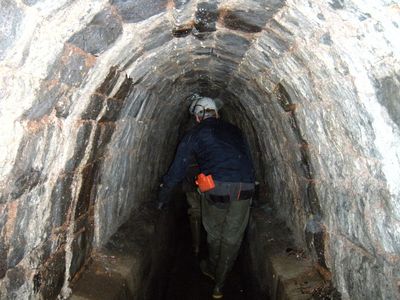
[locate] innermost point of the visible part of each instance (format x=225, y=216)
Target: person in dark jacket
x=221, y=151
x=193, y=198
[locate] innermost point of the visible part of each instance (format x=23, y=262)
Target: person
x=193, y=198
x=221, y=151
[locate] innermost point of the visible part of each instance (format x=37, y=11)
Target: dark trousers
x=225, y=226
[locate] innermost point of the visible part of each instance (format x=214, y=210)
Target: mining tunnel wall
x=93, y=95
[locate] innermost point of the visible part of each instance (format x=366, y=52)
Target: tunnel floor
x=185, y=280
x=150, y=257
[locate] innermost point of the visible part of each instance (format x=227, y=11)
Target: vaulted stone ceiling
x=94, y=95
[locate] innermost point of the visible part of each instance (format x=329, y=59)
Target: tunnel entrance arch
x=89, y=88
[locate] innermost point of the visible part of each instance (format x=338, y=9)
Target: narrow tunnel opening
x=172, y=271
x=93, y=99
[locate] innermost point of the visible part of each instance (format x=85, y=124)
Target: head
x=204, y=108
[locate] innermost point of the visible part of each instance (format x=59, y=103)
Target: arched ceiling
x=94, y=95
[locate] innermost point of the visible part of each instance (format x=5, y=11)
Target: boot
x=225, y=263
x=207, y=270
x=217, y=292
x=208, y=266
x=195, y=227
x=214, y=247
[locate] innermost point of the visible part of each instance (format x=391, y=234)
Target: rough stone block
x=99, y=34
x=273, y=43
x=190, y=76
x=380, y=287
x=124, y=89
x=135, y=102
x=135, y=54
x=206, y=16
x=133, y=11
x=25, y=181
x=204, y=51
x=18, y=243
x=232, y=45
x=81, y=247
x=91, y=171
x=256, y=62
x=224, y=63
x=201, y=63
x=25, y=176
x=94, y=107
x=61, y=197
x=388, y=94
x=182, y=31
x=16, y=279
x=167, y=72
x=10, y=20
x=275, y=266
x=112, y=110
x=108, y=84
x=85, y=198
x=27, y=240
x=103, y=136
x=50, y=278
x=247, y=21
x=71, y=67
x=82, y=141
x=73, y=70
x=52, y=94
x=158, y=37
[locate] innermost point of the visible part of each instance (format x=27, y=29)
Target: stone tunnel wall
x=93, y=94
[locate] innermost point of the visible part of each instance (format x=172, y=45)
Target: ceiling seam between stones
x=192, y=49
x=212, y=76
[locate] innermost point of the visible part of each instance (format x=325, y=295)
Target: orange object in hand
x=205, y=182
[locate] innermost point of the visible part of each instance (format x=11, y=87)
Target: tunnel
x=94, y=100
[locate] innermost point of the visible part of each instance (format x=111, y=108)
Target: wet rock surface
x=136, y=11
x=92, y=97
x=100, y=33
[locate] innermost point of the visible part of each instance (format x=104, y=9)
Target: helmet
x=200, y=105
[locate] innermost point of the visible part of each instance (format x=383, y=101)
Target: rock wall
x=92, y=96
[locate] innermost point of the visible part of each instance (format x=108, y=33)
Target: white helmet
x=199, y=106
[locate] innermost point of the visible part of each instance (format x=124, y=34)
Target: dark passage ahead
x=186, y=282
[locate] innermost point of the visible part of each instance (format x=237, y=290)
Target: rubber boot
x=214, y=250
x=217, y=293
x=195, y=226
x=228, y=254
x=207, y=270
x=208, y=266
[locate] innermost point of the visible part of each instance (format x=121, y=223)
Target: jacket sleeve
x=177, y=170
x=248, y=153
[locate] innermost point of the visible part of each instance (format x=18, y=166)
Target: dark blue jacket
x=220, y=150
